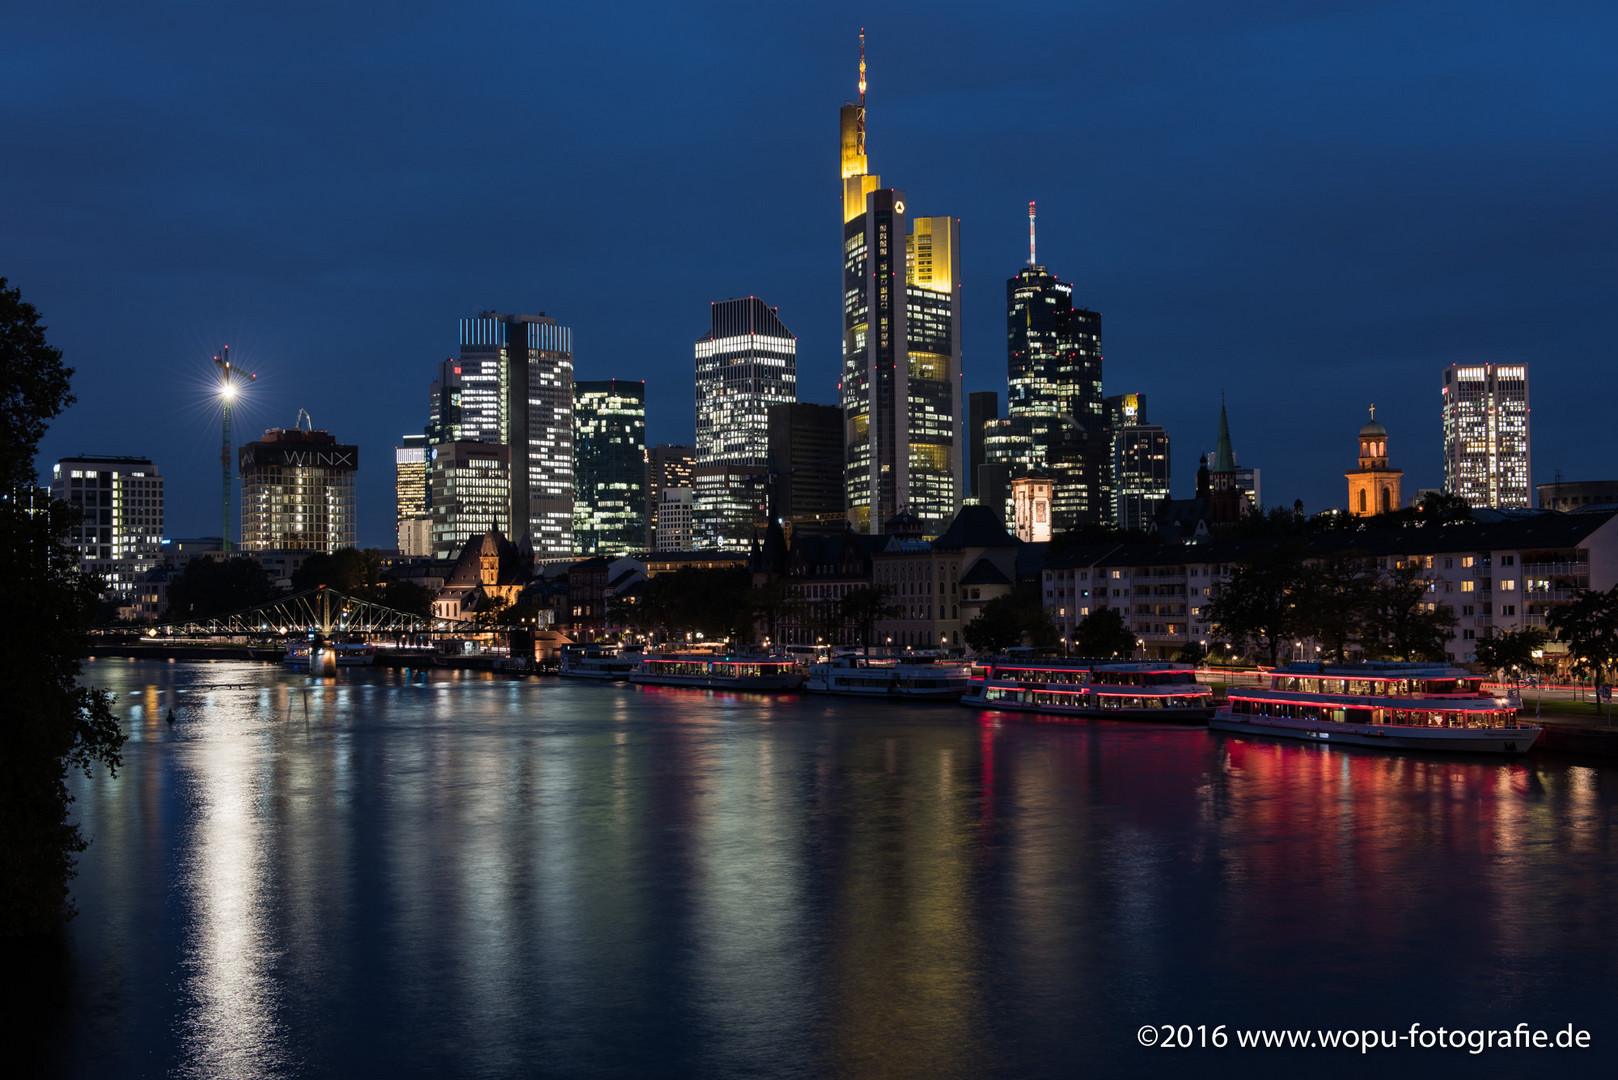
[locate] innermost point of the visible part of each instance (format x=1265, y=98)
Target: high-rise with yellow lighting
x=901, y=347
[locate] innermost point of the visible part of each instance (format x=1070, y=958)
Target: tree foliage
x=1333, y=598
x=210, y=587
x=1589, y=625
x=1103, y=633
x=1018, y=618
x=1513, y=651
x=713, y=603
x=1257, y=607
x=358, y=572
x=864, y=608
x=1399, y=624
x=51, y=723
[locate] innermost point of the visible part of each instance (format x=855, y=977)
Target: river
x=450, y=874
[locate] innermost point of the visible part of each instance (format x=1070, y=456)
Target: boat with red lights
x=908, y=678
x=1393, y=705
x=1107, y=690
x=750, y=673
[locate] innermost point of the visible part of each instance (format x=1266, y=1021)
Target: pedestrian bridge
x=321, y=610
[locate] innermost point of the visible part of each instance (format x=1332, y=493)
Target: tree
x=210, y=587
x=1257, y=606
x=1399, y=623
x=1513, y=651
x=769, y=603
x=1192, y=652
x=865, y=608
x=1017, y=618
x=51, y=723
x=1104, y=633
x=1589, y=625
x=713, y=603
x=1332, y=598
x=350, y=570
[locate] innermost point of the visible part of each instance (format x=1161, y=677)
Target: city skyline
x=1227, y=222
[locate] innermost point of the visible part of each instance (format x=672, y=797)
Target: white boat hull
x=721, y=682
x=1196, y=715
x=1515, y=740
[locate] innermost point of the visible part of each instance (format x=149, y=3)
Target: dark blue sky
x=1312, y=206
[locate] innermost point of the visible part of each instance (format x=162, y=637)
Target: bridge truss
x=323, y=610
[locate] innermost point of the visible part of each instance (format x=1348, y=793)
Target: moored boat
x=600, y=662
x=345, y=653
x=856, y=676
x=755, y=673
x=1110, y=690
x=1392, y=705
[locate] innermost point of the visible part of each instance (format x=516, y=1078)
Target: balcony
x=1556, y=569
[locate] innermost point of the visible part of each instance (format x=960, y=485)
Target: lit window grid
x=119, y=538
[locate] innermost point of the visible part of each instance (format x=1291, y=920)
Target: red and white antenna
x=1031, y=260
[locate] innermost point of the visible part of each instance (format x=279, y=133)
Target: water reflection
x=393, y=872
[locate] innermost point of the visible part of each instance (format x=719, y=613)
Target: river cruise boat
x=749, y=673
x=347, y=654
x=1403, y=706
x=858, y=676
x=1124, y=690
x=603, y=663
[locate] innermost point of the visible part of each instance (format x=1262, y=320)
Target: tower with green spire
x=1228, y=503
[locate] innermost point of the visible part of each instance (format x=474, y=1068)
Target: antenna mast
x=862, y=67
x=1031, y=260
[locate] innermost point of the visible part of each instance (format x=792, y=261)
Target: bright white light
x=227, y=391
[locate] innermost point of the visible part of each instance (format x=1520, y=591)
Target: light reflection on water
x=397, y=873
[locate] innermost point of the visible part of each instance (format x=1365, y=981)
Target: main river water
x=407, y=874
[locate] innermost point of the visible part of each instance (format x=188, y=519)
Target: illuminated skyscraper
x=746, y=362
x=666, y=467
x=1140, y=462
x=609, y=465
x=901, y=389
x=516, y=376
x=1486, y=434
x=298, y=492
x=410, y=496
x=469, y=486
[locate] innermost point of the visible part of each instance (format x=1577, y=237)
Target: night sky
x=1312, y=206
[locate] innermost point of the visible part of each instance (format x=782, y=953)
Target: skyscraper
x=120, y=535
x=469, y=486
x=410, y=496
x=901, y=388
x=1140, y=462
x=609, y=455
x=666, y=467
x=444, y=404
x=806, y=466
x=517, y=389
x=1056, y=420
x=298, y=492
x=1486, y=434
x=981, y=407
x=746, y=362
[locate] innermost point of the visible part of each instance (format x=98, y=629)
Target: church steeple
x=1224, y=459
x=1373, y=488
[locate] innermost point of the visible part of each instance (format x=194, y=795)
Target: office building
x=120, y=534
x=411, y=521
x=1141, y=473
x=1486, y=434
x=516, y=382
x=729, y=506
x=444, y=404
x=674, y=519
x=1569, y=496
x=746, y=362
x=609, y=467
x=901, y=387
x=667, y=466
x=298, y=492
x=469, y=493
x=981, y=407
x=806, y=467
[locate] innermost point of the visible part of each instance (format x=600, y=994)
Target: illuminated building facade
x=444, y=404
x=728, y=506
x=120, y=535
x=410, y=495
x=1031, y=496
x=1373, y=488
x=746, y=362
x=901, y=387
x=667, y=466
x=674, y=519
x=1486, y=434
x=609, y=454
x=469, y=489
x=298, y=492
x=516, y=383
x=1140, y=462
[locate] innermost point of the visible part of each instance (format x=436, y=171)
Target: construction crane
x=230, y=379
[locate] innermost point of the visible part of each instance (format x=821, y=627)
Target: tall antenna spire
x=1031, y=259
x=862, y=67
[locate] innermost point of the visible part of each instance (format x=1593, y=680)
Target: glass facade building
x=609, y=472
x=667, y=466
x=746, y=362
x=901, y=386
x=410, y=492
x=1486, y=434
x=469, y=488
x=298, y=492
x=516, y=389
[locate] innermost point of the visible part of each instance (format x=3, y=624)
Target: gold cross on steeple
x=1373, y=412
